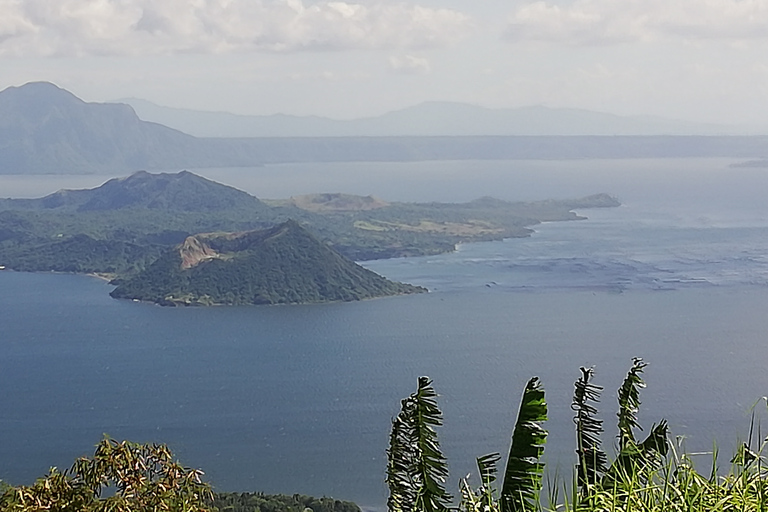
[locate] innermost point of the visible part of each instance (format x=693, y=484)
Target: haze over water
x=299, y=398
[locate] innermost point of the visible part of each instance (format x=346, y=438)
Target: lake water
x=299, y=398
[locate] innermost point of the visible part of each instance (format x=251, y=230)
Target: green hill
x=280, y=265
x=167, y=192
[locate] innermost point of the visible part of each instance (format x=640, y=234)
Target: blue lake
x=299, y=398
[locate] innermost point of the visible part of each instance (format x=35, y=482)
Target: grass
x=643, y=477
x=675, y=485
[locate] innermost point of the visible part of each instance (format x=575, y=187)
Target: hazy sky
x=704, y=60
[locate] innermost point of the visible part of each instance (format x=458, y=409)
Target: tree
x=143, y=477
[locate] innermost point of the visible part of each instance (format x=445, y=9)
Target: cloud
x=611, y=21
x=157, y=27
x=409, y=65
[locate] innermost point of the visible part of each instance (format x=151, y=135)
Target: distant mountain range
x=45, y=129
x=431, y=119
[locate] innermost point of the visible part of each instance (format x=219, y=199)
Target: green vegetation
x=280, y=265
x=260, y=502
x=123, y=225
x=132, y=477
x=143, y=478
x=84, y=255
x=646, y=476
x=416, y=469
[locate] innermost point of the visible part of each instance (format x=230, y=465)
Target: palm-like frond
x=416, y=468
x=400, y=461
x=592, y=459
x=635, y=460
x=629, y=403
x=523, y=474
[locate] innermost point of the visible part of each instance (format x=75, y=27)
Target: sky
x=696, y=60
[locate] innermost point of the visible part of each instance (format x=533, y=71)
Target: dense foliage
x=83, y=255
x=131, y=477
x=140, y=477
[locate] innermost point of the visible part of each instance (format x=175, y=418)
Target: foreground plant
x=144, y=477
x=416, y=468
x=649, y=475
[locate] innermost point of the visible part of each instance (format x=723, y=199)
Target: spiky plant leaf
x=657, y=441
x=403, y=447
x=416, y=468
x=592, y=459
x=629, y=403
x=523, y=474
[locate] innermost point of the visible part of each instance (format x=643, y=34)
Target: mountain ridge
x=47, y=130
x=430, y=118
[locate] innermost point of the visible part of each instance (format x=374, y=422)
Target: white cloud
x=157, y=27
x=612, y=21
x=409, y=65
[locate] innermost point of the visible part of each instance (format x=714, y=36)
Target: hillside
x=178, y=192
x=45, y=129
x=281, y=265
